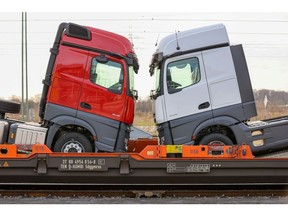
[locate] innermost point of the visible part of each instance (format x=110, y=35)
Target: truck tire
x=9, y=106
x=73, y=142
x=215, y=138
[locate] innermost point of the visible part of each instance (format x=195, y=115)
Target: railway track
x=149, y=195
x=118, y=198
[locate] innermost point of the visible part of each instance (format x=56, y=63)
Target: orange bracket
x=40, y=149
x=12, y=151
x=208, y=151
x=8, y=151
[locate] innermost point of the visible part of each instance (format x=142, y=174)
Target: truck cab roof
x=193, y=39
x=103, y=40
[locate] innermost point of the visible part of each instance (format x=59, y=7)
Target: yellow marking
x=5, y=164
x=174, y=149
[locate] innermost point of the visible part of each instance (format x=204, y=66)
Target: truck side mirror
x=152, y=95
x=135, y=94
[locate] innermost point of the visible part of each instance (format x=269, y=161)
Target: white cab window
x=182, y=73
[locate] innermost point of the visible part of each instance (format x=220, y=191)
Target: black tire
x=9, y=106
x=73, y=142
x=216, y=138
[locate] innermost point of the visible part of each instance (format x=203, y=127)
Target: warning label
x=5, y=164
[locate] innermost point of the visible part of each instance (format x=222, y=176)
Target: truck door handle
x=204, y=105
x=85, y=105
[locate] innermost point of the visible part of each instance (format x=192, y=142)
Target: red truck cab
x=88, y=95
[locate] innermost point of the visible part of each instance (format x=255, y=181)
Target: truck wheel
x=73, y=142
x=215, y=138
x=9, y=106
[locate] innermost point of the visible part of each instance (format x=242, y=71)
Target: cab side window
x=182, y=73
x=108, y=75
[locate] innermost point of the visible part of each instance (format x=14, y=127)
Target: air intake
x=77, y=31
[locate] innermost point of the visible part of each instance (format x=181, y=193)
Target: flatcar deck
x=154, y=165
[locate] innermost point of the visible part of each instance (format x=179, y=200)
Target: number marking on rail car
x=191, y=168
x=73, y=164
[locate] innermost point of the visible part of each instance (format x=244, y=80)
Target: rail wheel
x=216, y=139
x=73, y=142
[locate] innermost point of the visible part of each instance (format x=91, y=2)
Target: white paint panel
x=160, y=110
x=221, y=77
x=193, y=39
x=224, y=93
x=187, y=101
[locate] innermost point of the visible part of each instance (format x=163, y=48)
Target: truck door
x=104, y=88
x=185, y=86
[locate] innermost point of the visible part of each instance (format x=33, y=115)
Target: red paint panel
x=102, y=101
x=71, y=83
x=104, y=40
x=129, y=114
x=68, y=77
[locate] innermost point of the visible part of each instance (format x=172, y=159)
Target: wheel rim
x=72, y=146
x=216, y=142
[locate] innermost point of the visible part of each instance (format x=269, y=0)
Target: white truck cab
x=203, y=92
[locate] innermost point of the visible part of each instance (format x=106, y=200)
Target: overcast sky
x=263, y=35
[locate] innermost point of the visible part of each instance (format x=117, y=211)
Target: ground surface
x=121, y=200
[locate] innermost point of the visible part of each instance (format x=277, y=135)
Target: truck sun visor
x=77, y=31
